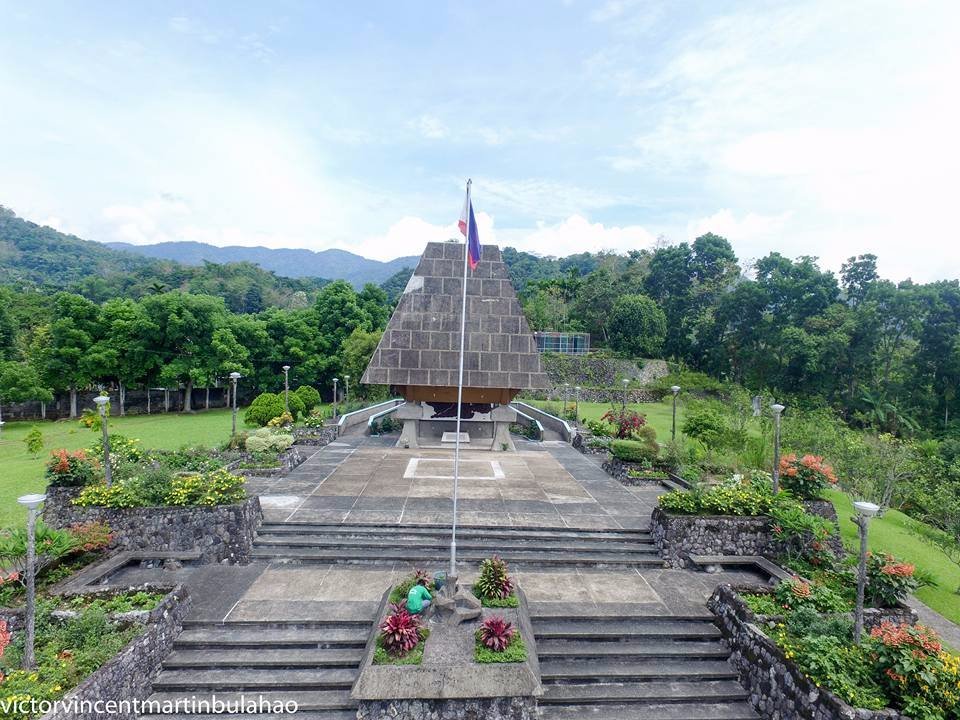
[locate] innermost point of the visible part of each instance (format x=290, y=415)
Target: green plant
x=309, y=396
x=118, y=495
x=642, y=451
x=91, y=536
x=219, y=487
x=149, y=485
x=807, y=476
x=494, y=580
x=762, y=603
x=281, y=421
x=51, y=545
x=889, y=581
x=33, y=441
x=626, y=423
x=120, y=603
x=263, y=409
x=70, y=469
x=706, y=425
x=516, y=651
x=600, y=428
x=399, y=632
x=315, y=419
x=796, y=593
x=496, y=633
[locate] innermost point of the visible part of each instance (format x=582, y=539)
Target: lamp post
x=346, y=390
x=31, y=502
x=675, y=389
x=234, y=376
x=101, y=401
x=286, y=388
x=626, y=382
x=777, y=410
x=865, y=511
x=576, y=402
x=335, y=381
x=566, y=394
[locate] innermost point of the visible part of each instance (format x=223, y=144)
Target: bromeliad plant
x=496, y=633
x=494, y=581
x=400, y=632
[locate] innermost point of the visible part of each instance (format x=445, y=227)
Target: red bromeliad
x=496, y=633
x=400, y=633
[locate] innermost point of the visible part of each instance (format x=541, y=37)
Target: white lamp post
x=101, y=401
x=234, y=376
x=777, y=410
x=576, y=402
x=865, y=511
x=346, y=390
x=31, y=502
x=626, y=382
x=675, y=389
x=566, y=394
x=335, y=381
x=286, y=388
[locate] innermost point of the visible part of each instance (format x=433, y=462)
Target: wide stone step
x=233, y=679
x=597, y=629
x=656, y=691
x=307, y=701
x=463, y=531
x=253, y=636
x=443, y=543
x=587, y=650
x=333, y=555
x=275, y=658
x=582, y=670
x=675, y=711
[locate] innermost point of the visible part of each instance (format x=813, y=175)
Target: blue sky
x=823, y=128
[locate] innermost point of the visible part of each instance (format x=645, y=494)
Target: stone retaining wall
x=220, y=533
x=129, y=675
x=504, y=708
x=288, y=459
x=679, y=536
x=315, y=436
x=777, y=687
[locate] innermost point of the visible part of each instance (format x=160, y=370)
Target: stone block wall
x=220, y=533
x=679, y=536
x=129, y=675
x=777, y=687
x=503, y=708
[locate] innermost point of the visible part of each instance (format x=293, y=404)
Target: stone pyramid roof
x=421, y=344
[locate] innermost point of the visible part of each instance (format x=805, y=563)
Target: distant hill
x=293, y=263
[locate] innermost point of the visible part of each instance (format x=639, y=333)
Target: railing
x=358, y=416
x=533, y=421
x=550, y=421
x=374, y=418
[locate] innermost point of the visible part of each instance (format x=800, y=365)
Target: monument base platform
x=428, y=425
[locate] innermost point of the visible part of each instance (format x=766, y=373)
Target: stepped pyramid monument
x=419, y=352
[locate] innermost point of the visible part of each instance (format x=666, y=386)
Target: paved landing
x=359, y=481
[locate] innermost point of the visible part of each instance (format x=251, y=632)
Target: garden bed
x=219, y=532
x=779, y=688
x=90, y=658
x=635, y=473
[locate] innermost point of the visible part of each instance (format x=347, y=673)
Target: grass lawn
x=23, y=472
x=891, y=533
x=659, y=415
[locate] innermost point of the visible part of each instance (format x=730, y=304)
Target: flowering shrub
x=796, y=593
x=219, y=487
x=315, y=419
x=400, y=633
x=70, y=469
x=626, y=423
x=282, y=420
x=806, y=477
x=118, y=495
x=888, y=580
x=264, y=440
x=91, y=536
x=493, y=581
x=4, y=638
x=122, y=449
x=496, y=633
x=916, y=672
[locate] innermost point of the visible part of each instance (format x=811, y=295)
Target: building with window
x=563, y=342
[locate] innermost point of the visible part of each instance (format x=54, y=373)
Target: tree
x=638, y=326
x=121, y=351
x=184, y=335
x=356, y=354
x=20, y=383
x=72, y=334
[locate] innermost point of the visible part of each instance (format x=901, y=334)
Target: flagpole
x=456, y=451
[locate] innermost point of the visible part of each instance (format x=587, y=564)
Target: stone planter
x=288, y=459
x=314, y=436
x=129, y=675
x=620, y=471
x=220, y=533
x=777, y=687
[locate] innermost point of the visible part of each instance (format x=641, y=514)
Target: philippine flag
x=468, y=226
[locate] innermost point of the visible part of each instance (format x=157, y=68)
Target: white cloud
x=430, y=127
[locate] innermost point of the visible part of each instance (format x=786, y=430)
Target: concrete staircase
x=636, y=668
x=311, y=663
x=340, y=543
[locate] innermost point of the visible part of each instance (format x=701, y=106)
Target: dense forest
x=884, y=355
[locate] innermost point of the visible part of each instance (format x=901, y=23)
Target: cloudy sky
x=812, y=128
